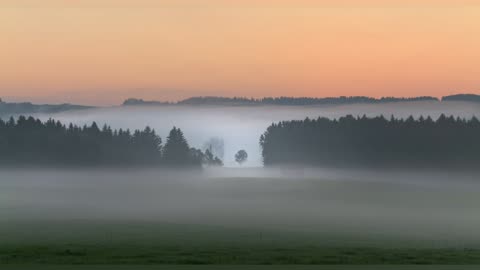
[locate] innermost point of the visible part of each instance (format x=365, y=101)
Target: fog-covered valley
x=239, y=206
x=430, y=208
x=241, y=126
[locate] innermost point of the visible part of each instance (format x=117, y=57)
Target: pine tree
x=176, y=151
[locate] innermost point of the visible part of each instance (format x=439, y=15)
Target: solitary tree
x=241, y=156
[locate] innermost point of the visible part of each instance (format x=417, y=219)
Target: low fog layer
x=240, y=127
x=432, y=206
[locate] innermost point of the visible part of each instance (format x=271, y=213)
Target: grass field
x=242, y=221
x=151, y=243
x=246, y=267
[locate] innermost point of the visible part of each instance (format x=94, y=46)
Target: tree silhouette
x=176, y=151
x=216, y=146
x=28, y=141
x=294, y=101
x=210, y=160
x=362, y=141
x=241, y=156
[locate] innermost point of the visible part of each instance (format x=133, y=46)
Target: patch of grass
x=237, y=267
x=93, y=243
x=132, y=254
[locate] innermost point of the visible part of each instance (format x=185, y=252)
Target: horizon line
x=178, y=101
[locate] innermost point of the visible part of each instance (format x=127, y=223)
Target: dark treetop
x=28, y=141
x=376, y=142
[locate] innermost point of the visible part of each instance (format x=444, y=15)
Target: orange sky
x=103, y=51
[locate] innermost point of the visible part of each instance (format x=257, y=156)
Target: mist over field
x=241, y=126
x=425, y=208
x=246, y=214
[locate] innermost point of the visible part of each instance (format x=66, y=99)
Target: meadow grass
x=226, y=222
x=94, y=243
x=238, y=267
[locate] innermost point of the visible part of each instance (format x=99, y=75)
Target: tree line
x=298, y=101
x=9, y=108
x=362, y=141
x=462, y=97
x=29, y=141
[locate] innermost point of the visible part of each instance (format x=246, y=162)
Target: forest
x=374, y=142
x=9, y=108
x=462, y=97
x=346, y=141
x=279, y=101
x=29, y=141
x=299, y=101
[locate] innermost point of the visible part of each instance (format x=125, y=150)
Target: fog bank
x=241, y=126
x=435, y=207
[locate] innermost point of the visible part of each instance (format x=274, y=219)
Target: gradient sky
x=103, y=51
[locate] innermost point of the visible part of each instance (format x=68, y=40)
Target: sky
x=104, y=51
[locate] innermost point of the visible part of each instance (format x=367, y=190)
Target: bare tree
x=216, y=146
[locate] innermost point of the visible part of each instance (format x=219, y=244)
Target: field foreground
x=99, y=218
x=236, y=267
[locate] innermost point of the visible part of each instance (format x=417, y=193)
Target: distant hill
x=283, y=101
x=27, y=107
x=462, y=97
x=339, y=100
x=211, y=100
x=141, y=102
